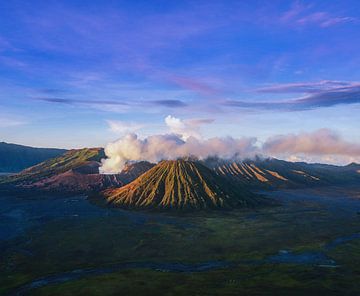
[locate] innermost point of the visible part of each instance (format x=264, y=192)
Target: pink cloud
x=307, y=87
x=192, y=84
x=337, y=20
x=323, y=19
x=303, y=15
x=186, y=83
x=320, y=142
x=293, y=12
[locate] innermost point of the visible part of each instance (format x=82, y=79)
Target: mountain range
x=275, y=173
x=176, y=184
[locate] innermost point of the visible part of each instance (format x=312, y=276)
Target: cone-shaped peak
x=181, y=184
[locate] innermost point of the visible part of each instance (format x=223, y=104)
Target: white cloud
x=123, y=127
x=9, y=122
x=186, y=128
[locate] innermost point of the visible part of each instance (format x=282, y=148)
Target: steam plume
x=185, y=140
x=160, y=147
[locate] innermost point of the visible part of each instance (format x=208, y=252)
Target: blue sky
x=81, y=73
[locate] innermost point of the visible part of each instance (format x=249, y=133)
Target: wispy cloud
x=200, y=121
x=185, y=82
x=51, y=91
x=323, y=19
x=192, y=84
x=123, y=127
x=129, y=103
x=3, y=43
x=110, y=26
x=305, y=15
x=169, y=103
x=304, y=87
x=12, y=62
x=81, y=102
x=318, y=95
x=6, y=121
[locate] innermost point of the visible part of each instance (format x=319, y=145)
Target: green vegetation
x=55, y=166
x=244, y=280
x=241, y=236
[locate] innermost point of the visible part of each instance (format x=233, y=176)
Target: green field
x=243, y=238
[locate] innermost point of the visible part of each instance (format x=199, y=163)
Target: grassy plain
x=245, y=238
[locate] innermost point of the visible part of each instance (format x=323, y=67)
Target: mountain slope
x=84, y=179
x=14, y=158
x=72, y=159
x=181, y=184
x=76, y=171
x=274, y=173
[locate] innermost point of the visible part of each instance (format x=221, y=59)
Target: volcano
x=76, y=171
x=181, y=184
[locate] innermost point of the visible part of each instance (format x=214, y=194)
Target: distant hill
x=14, y=158
x=181, y=184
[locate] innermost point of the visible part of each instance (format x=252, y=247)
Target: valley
x=309, y=244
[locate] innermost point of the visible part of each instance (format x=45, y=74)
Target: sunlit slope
x=72, y=159
x=76, y=171
x=82, y=179
x=181, y=184
x=281, y=174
